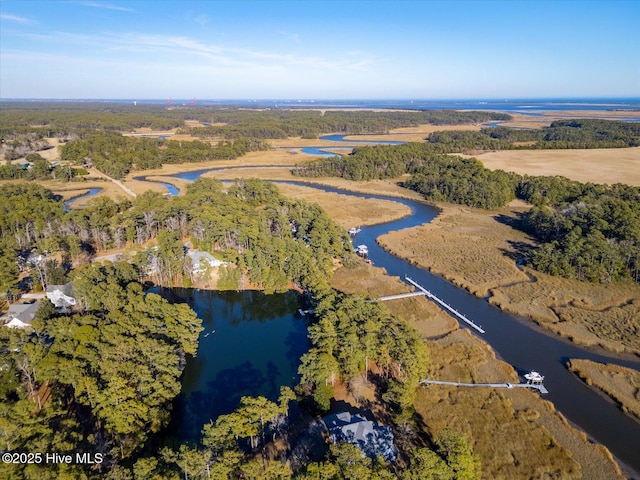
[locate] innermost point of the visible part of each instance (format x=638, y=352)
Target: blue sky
x=319, y=50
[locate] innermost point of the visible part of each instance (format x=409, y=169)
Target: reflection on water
x=251, y=345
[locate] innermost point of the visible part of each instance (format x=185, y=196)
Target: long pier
x=401, y=295
x=537, y=386
x=447, y=307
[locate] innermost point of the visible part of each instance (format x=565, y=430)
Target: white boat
x=533, y=377
x=354, y=231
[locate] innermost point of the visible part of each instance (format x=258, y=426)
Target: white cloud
x=16, y=19
x=180, y=64
x=107, y=6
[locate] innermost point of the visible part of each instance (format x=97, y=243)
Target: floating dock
x=537, y=386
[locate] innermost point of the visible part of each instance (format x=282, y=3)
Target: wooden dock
x=537, y=386
x=401, y=295
x=447, y=307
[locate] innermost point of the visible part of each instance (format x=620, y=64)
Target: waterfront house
x=200, y=261
x=365, y=434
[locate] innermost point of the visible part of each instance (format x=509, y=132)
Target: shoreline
x=452, y=238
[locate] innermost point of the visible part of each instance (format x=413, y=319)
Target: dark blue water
x=172, y=190
x=251, y=345
x=514, y=339
x=517, y=342
x=517, y=105
x=324, y=152
x=340, y=138
x=92, y=191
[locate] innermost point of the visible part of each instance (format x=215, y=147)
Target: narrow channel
x=92, y=191
x=514, y=339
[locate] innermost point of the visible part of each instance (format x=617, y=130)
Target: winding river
x=92, y=192
x=514, y=339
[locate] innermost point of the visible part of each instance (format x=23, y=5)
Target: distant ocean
x=522, y=106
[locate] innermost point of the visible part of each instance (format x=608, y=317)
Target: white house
x=61, y=295
x=20, y=315
x=200, y=261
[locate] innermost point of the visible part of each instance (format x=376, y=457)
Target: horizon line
x=318, y=99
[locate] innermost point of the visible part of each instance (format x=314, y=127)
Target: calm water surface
x=514, y=339
x=251, y=345
x=92, y=191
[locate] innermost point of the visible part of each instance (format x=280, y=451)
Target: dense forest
x=584, y=133
x=311, y=124
x=101, y=378
x=117, y=155
x=273, y=239
x=62, y=120
x=39, y=168
x=585, y=231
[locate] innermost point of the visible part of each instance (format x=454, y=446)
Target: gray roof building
x=61, y=295
x=20, y=315
x=365, y=434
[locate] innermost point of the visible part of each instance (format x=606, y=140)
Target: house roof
x=365, y=434
x=61, y=295
x=197, y=256
x=22, y=312
x=66, y=288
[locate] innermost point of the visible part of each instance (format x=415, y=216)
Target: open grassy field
x=516, y=434
x=347, y=210
x=621, y=384
x=478, y=250
x=605, y=165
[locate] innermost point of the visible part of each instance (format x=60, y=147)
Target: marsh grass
x=598, y=165
x=516, y=433
x=478, y=250
x=621, y=384
x=512, y=442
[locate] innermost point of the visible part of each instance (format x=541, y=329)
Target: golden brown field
x=477, y=250
x=611, y=165
x=516, y=434
x=347, y=210
x=621, y=384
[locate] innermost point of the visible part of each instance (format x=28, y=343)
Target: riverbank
x=620, y=384
x=478, y=250
x=517, y=434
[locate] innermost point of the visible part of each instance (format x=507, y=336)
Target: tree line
x=102, y=379
x=311, y=124
x=27, y=123
x=116, y=155
x=581, y=133
x=585, y=231
x=272, y=241
x=39, y=168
